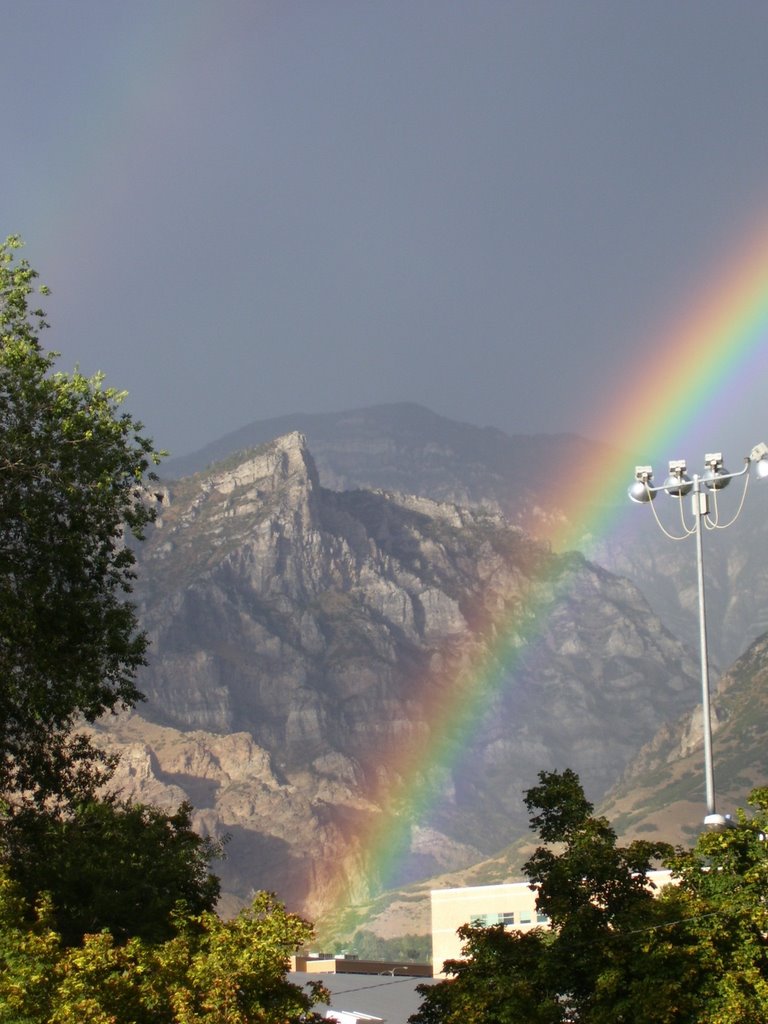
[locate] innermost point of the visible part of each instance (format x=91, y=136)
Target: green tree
x=211, y=972
x=114, y=865
x=722, y=910
x=73, y=469
x=615, y=952
x=29, y=956
x=73, y=476
x=599, y=903
x=236, y=972
x=369, y=946
x=502, y=978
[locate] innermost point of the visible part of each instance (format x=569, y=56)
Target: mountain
x=663, y=788
x=306, y=642
x=661, y=795
x=736, y=573
x=408, y=449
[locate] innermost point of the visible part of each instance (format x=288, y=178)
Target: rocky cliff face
x=663, y=789
x=305, y=643
x=407, y=448
x=736, y=573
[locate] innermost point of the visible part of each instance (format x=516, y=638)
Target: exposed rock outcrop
x=342, y=636
x=663, y=788
x=407, y=448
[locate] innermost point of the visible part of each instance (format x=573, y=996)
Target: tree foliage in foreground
x=722, y=900
x=105, y=906
x=73, y=470
x=116, y=866
x=211, y=972
x=72, y=475
x=619, y=953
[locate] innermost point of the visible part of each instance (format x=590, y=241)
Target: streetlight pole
x=701, y=508
x=678, y=484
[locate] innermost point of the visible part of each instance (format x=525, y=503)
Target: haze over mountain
x=495, y=208
x=407, y=448
x=303, y=640
x=661, y=795
x=664, y=785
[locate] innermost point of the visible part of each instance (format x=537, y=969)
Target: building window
x=525, y=917
x=489, y=920
x=541, y=918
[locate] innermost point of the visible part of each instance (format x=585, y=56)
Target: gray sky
x=246, y=209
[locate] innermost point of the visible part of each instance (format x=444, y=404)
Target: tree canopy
x=106, y=906
x=114, y=865
x=211, y=972
x=73, y=471
x=695, y=952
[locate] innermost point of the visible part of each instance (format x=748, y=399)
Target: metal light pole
x=700, y=509
x=678, y=484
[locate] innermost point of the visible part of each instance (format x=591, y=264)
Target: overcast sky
x=247, y=208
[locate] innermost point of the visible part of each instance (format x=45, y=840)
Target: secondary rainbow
x=683, y=373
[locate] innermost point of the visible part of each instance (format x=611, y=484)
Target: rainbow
x=684, y=374
x=123, y=121
x=674, y=383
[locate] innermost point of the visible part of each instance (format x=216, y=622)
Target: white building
x=512, y=904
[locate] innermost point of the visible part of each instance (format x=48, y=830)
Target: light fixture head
x=759, y=455
x=678, y=483
x=715, y=475
x=719, y=822
x=639, y=491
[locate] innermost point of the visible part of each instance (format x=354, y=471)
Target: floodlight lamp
x=678, y=483
x=640, y=491
x=715, y=475
x=759, y=455
x=719, y=822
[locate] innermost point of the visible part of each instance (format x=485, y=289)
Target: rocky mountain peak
x=328, y=626
x=270, y=488
x=283, y=468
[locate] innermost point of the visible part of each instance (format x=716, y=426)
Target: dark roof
x=388, y=996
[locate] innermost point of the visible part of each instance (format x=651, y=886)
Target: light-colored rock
x=310, y=649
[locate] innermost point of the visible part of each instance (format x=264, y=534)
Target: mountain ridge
x=661, y=795
x=406, y=448
x=328, y=627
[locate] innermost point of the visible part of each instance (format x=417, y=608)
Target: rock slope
x=407, y=448
x=306, y=642
x=663, y=789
